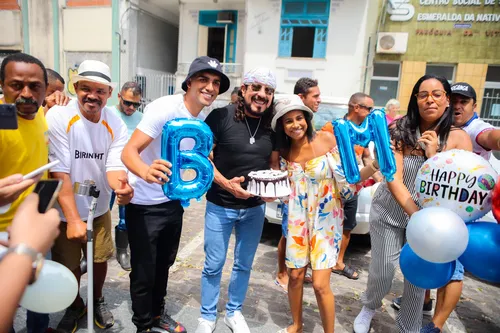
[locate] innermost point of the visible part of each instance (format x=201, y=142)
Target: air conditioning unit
x=392, y=42
x=225, y=17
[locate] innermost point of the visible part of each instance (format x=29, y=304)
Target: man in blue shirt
x=129, y=100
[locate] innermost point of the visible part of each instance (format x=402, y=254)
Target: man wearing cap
x=154, y=222
x=484, y=136
x=87, y=138
x=242, y=143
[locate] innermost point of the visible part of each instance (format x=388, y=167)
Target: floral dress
x=315, y=211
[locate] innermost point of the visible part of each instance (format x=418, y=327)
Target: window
x=447, y=71
x=384, y=83
x=490, y=108
x=304, y=26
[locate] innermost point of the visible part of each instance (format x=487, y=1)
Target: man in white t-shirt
x=154, y=223
x=87, y=138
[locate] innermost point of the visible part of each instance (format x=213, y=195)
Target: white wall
x=41, y=32
x=83, y=34
x=339, y=75
x=11, y=28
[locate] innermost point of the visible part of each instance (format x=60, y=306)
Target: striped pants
x=386, y=243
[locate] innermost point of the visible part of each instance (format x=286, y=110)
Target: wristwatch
x=36, y=257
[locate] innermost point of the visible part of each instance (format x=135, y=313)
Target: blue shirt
x=131, y=121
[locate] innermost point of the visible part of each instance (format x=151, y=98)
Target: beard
x=248, y=107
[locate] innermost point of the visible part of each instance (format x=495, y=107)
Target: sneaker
x=166, y=323
x=205, y=326
x=426, y=310
x=430, y=328
x=69, y=322
x=237, y=323
x=103, y=318
x=363, y=320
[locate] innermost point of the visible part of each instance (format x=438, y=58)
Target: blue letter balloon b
x=174, y=132
x=375, y=129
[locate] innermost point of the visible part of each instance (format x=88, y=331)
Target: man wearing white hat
x=87, y=138
x=242, y=143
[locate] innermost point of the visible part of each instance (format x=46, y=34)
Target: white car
x=333, y=109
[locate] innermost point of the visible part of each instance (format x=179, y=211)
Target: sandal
x=283, y=287
x=348, y=272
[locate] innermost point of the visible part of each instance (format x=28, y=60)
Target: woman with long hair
x=315, y=210
x=425, y=130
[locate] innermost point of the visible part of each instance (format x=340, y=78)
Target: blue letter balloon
x=375, y=129
x=422, y=273
x=482, y=255
x=196, y=158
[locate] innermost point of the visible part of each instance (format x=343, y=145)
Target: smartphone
x=8, y=117
x=40, y=170
x=47, y=190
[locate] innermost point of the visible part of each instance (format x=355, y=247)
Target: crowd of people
x=119, y=148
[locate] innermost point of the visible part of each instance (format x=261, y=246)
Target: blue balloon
x=197, y=159
x=482, y=255
x=422, y=273
x=375, y=129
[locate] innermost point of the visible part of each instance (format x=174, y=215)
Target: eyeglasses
x=130, y=103
x=258, y=87
x=369, y=108
x=435, y=94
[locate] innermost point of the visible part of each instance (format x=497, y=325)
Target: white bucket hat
x=287, y=103
x=94, y=71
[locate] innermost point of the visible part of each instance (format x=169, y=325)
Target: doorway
x=216, y=43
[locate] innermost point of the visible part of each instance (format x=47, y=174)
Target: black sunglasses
x=369, y=108
x=129, y=103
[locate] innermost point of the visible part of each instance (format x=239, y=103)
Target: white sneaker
x=205, y=326
x=237, y=323
x=363, y=320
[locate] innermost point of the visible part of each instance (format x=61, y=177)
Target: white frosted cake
x=269, y=183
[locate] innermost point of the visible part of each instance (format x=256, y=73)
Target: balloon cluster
x=375, y=129
x=174, y=131
x=455, y=189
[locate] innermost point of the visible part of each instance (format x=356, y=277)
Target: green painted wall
x=478, y=44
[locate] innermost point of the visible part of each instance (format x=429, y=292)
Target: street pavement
x=266, y=308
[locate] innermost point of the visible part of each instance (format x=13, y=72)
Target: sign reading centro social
x=403, y=10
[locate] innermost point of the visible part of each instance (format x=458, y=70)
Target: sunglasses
x=257, y=87
x=435, y=94
x=369, y=108
x=130, y=103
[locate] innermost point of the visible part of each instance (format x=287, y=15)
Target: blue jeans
x=121, y=213
x=219, y=223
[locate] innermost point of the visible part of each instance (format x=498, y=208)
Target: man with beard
x=242, y=143
x=24, y=81
x=154, y=222
x=129, y=100
x=87, y=138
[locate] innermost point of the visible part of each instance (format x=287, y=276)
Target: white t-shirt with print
x=475, y=128
x=86, y=151
x=156, y=114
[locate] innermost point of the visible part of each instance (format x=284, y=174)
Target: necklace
x=252, y=137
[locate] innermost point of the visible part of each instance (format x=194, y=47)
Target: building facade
x=322, y=39
x=458, y=39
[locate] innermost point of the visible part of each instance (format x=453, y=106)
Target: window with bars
x=304, y=28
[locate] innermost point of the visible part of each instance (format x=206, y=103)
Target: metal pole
x=88, y=188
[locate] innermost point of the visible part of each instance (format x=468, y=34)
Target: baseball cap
x=207, y=64
x=286, y=103
x=464, y=89
x=94, y=71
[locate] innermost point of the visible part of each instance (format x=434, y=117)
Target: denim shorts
x=284, y=220
x=458, y=275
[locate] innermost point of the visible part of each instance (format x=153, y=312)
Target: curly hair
x=240, y=115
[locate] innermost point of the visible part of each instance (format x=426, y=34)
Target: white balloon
x=437, y=234
x=54, y=290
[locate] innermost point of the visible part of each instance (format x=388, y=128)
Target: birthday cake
x=269, y=183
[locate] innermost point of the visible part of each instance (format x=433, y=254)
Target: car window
x=328, y=112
